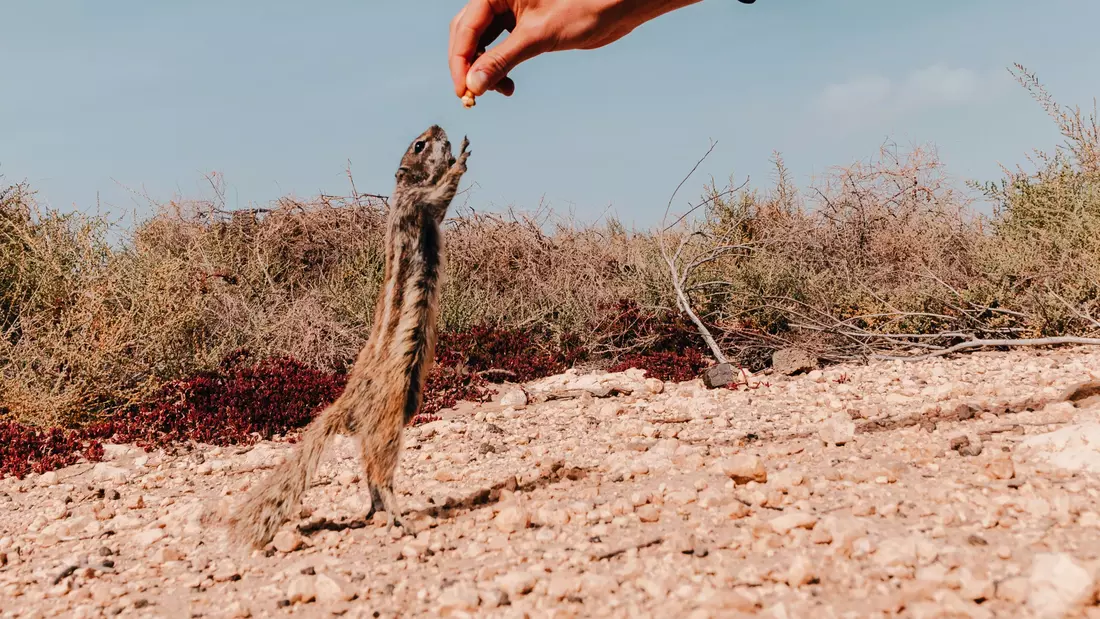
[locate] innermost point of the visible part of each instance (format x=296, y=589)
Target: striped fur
x=385, y=387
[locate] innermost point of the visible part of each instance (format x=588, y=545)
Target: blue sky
x=112, y=96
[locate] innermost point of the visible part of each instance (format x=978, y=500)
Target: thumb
x=495, y=64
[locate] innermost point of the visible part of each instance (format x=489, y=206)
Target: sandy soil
x=947, y=488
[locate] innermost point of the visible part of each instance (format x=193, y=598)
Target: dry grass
x=885, y=255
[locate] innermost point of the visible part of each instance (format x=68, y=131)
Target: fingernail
x=478, y=82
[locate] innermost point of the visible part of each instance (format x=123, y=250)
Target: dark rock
x=719, y=375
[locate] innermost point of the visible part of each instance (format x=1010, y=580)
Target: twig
x=679, y=277
x=618, y=551
x=1080, y=314
x=1042, y=341
x=695, y=167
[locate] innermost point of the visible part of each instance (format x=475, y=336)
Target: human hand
x=536, y=27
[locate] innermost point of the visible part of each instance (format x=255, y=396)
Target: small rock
x=1001, y=468
x=493, y=598
x=167, y=554
x=654, y=385
x=648, y=513
x=719, y=375
x=801, y=572
x=106, y=472
x=965, y=446
x=791, y=361
x=794, y=520
x=971, y=586
x=287, y=541
x=1072, y=448
x=330, y=589
x=562, y=586
x=301, y=590
x=897, y=552
x=1013, y=590
x=236, y=610
x=458, y=597
x=226, y=573
x=971, y=450
x=148, y=537
x=517, y=583
x=47, y=479
x=744, y=468
x=516, y=398
x=736, y=510
x=838, y=429
x=512, y=517
x=821, y=534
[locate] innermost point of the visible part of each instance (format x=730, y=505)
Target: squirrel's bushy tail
x=272, y=501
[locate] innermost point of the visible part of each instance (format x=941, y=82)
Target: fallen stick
x=1042, y=341
x=618, y=551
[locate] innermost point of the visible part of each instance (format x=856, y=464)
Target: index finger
x=465, y=34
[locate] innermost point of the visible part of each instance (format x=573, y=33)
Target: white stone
x=515, y=398
x=744, y=468
x=517, y=583
x=794, y=520
x=1058, y=585
x=148, y=537
x=837, y=429
x=512, y=517
x=330, y=589
x=1073, y=448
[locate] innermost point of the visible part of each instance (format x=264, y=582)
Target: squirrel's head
x=427, y=159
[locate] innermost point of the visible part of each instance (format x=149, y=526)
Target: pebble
x=801, y=572
x=148, y=537
x=1001, y=468
x=516, y=583
x=514, y=398
x=301, y=590
x=330, y=589
x=287, y=541
x=744, y=468
x=1013, y=589
x=795, y=520
x=106, y=472
x=648, y=513
x=804, y=529
x=511, y=518
x=461, y=597
x=838, y=429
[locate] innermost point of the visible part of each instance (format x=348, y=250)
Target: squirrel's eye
x=419, y=146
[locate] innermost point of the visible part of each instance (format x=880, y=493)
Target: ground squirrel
x=385, y=386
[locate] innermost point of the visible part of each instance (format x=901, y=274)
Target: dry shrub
x=509, y=270
x=887, y=256
x=1045, y=250
x=880, y=256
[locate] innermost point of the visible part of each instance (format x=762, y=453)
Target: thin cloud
x=876, y=97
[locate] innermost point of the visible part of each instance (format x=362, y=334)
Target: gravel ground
x=963, y=487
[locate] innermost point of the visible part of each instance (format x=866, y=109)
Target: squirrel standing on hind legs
x=386, y=384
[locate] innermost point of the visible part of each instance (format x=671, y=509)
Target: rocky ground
x=965, y=487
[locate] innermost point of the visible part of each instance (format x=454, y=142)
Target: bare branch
x=1042, y=341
